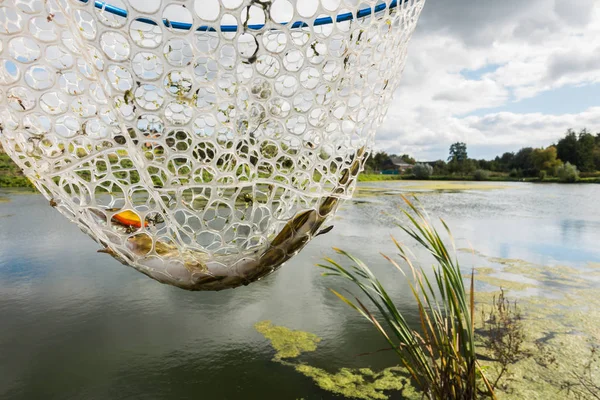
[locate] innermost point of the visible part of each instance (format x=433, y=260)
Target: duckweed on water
x=286, y=342
x=561, y=322
x=423, y=188
x=374, y=192
x=504, y=283
x=362, y=383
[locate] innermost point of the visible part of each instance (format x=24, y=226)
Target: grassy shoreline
x=467, y=178
x=11, y=176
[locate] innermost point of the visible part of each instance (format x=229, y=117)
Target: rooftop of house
x=398, y=162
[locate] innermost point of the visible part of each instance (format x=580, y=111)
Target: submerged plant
x=440, y=356
x=503, y=335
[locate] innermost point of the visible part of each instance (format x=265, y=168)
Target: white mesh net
x=201, y=142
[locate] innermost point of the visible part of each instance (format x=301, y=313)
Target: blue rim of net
x=365, y=12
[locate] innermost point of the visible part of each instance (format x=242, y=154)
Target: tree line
x=575, y=150
x=382, y=161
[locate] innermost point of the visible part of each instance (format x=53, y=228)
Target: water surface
x=77, y=324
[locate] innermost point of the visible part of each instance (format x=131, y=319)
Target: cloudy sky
x=498, y=75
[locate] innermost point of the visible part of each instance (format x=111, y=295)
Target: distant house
x=398, y=166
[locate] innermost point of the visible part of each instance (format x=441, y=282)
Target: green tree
x=378, y=161
x=484, y=164
x=408, y=159
x=597, y=158
x=481, y=175
x=579, y=149
x=567, y=147
x=585, y=151
x=458, y=152
x=458, y=159
x=523, y=161
x=546, y=160
x=597, y=152
x=382, y=158
x=440, y=167
x=568, y=173
x=504, y=163
x=422, y=171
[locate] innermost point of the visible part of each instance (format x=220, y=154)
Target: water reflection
x=77, y=324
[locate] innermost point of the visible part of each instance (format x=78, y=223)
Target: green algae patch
x=362, y=383
x=378, y=177
x=504, y=283
x=286, y=342
x=556, y=277
x=399, y=190
x=364, y=191
x=374, y=192
x=560, y=322
x=4, y=199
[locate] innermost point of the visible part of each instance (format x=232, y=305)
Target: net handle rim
x=349, y=16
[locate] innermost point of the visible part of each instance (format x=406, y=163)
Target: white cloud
x=490, y=134
x=540, y=45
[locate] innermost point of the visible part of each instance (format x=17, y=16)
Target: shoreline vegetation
x=573, y=159
x=11, y=175
x=365, y=177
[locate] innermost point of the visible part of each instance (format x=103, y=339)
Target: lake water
x=75, y=324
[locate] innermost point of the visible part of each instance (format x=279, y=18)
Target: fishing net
x=204, y=142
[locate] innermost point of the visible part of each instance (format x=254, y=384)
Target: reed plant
x=440, y=352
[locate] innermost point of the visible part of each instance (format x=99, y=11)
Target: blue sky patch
x=477, y=74
x=565, y=100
